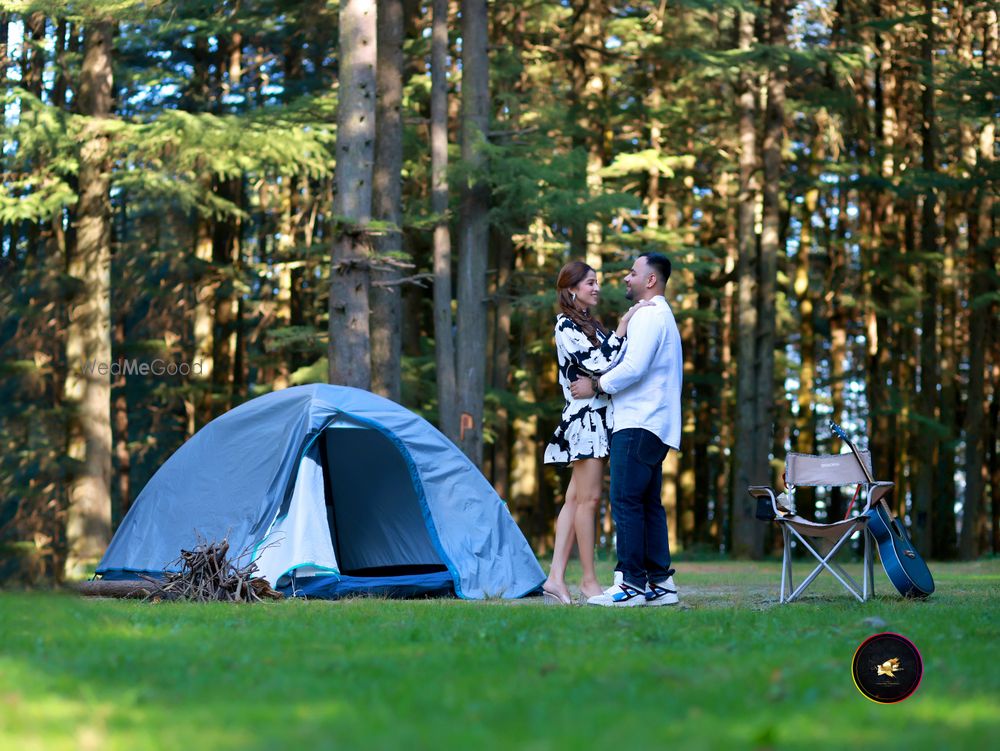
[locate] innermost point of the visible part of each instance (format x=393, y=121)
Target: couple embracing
x=623, y=398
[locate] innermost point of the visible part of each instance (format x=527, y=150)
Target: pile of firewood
x=208, y=575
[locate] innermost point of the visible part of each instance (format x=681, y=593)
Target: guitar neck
x=854, y=449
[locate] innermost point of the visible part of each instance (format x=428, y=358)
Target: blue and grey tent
x=333, y=491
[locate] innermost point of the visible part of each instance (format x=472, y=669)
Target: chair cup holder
x=765, y=511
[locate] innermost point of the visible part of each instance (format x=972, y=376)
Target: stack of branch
x=208, y=575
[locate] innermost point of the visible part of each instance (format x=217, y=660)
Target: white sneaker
x=621, y=595
x=619, y=578
x=662, y=593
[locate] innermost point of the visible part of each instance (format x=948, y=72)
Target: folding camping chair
x=829, y=471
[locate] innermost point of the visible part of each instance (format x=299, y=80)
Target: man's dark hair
x=660, y=264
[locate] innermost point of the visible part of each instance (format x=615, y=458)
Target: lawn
x=727, y=669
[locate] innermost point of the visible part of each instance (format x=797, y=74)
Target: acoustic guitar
x=903, y=565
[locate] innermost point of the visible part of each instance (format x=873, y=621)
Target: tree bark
x=802, y=290
x=444, y=342
x=770, y=241
x=473, y=230
x=589, y=93
x=747, y=536
x=88, y=394
x=225, y=251
x=501, y=358
x=349, y=348
x=975, y=526
x=122, y=454
x=60, y=85
x=883, y=255
x=926, y=443
x=838, y=339
x=32, y=70
x=5, y=63
x=386, y=294
x=945, y=532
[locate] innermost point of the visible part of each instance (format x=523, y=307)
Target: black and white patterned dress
x=585, y=429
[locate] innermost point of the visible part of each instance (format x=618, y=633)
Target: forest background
x=218, y=186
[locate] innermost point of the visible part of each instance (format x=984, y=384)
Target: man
x=645, y=385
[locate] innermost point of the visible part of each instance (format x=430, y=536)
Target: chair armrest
x=760, y=492
x=876, y=491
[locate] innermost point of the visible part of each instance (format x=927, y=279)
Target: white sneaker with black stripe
x=619, y=595
x=662, y=593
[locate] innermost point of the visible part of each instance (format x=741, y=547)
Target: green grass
x=730, y=669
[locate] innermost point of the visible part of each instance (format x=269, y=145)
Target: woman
x=582, y=438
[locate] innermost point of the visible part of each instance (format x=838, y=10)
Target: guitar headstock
x=839, y=431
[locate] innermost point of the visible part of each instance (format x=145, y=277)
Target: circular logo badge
x=887, y=668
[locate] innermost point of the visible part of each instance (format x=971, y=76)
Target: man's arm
x=643, y=338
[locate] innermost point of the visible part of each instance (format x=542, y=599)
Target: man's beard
x=628, y=293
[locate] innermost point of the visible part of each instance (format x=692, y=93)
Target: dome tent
x=335, y=491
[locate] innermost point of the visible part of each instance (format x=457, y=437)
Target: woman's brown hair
x=571, y=275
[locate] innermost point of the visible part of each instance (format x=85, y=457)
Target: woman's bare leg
x=588, y=474
x=556, y=583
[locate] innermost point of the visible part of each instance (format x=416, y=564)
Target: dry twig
x=208, y=575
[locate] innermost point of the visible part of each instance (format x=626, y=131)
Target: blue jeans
x=640, y=521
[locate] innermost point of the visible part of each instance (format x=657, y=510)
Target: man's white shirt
x=645, y=382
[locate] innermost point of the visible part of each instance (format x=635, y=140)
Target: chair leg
x=786, y=565
x=824, y=562
x=836, y=567
x=869, y=565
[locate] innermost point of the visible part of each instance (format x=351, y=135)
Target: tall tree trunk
x=747, y=535
x=530, y=499
x=770, y=242
x=444, y=342
x=88, y=520
x=386, y=294
x=197, y=99
x=32, y=70
x=6, y=265
x=501, y=369
x=805, y=421
x=727, y=400
x=473, y=229
x=349, y=349
x=838, y=336
x=926, y=442
x=589, y=93
x=945, y=533
x=64, y=30
x=883, y=254
x=240, y=360
x=654, y=103
x=123, y=456
x=225, y=252
x=993, y=463
x=704, y=427
x=989, y=229
x=981, y=230
x=904, y=339
x=4, y=52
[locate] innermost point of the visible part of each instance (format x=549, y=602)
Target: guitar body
x=903, y=565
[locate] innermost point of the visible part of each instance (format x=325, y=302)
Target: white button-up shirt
x=645, y=382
